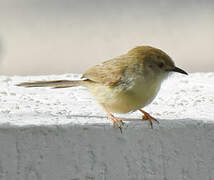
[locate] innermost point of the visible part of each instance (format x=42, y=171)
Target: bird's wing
x=108, y=72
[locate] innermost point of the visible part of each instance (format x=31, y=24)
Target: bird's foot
x=115, y=121
x=118, y=123
x=147, y=116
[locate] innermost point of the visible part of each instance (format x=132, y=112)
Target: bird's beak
x=176, y=69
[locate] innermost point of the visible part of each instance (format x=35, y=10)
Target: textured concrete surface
x=63, y=135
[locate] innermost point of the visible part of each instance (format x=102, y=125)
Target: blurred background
x=63, y=36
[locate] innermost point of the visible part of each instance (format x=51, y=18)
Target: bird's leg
x=147, y=116
x=115, y=121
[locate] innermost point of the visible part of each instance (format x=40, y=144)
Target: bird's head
x=155, y=61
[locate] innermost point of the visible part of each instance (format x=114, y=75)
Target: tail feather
x=54, y=84
x=65, y=85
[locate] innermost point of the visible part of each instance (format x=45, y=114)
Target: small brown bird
x=125, y=83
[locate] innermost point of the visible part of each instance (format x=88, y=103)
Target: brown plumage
x=125, y=83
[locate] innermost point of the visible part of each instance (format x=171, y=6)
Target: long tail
x=54, y=84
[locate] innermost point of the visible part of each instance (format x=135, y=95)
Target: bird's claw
x=118, y=123
x=147, y=116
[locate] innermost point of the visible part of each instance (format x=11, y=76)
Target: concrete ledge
x=63, y=135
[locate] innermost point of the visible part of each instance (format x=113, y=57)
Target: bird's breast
x=136, y=96
x=126, y=97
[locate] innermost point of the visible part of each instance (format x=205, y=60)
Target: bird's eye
x=161, y=65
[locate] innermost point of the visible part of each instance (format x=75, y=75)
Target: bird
x=123, y=84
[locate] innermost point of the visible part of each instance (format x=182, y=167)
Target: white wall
x=61, y=134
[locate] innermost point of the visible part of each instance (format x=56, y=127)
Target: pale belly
x=122, y=100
